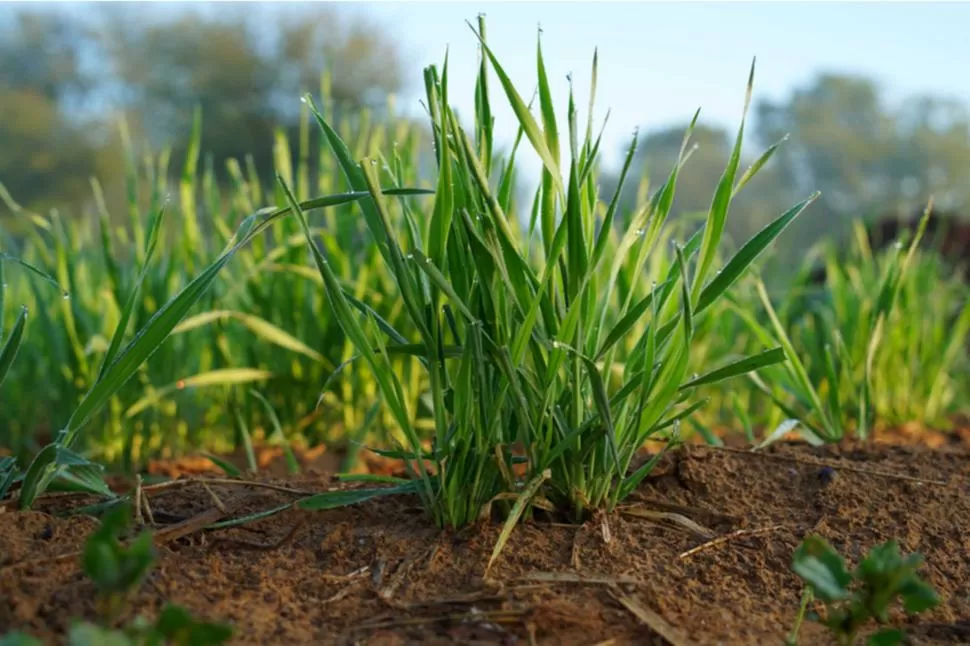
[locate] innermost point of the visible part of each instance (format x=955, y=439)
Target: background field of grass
x=267, y=328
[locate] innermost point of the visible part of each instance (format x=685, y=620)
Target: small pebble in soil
x=793, y=472
x=826, y=475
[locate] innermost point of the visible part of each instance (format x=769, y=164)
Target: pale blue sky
x=661, y=61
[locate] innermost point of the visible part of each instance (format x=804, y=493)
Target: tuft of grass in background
x=59, y=459
x=882, y=342
x=265, y=326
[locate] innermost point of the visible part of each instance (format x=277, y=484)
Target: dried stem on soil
x=651, y=619
x=676, y=519
x=833, y=465
x=720, y=540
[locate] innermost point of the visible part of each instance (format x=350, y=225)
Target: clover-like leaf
x=822, y=568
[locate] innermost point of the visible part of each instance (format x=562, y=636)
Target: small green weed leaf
x=887, y=637
x=116, y=568
x=17, y=638
x=101, y=564
x=821, y=567
x=178, y=627
x=87, y=634
x=918, y=596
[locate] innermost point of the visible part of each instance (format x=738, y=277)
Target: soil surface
x=701, y=554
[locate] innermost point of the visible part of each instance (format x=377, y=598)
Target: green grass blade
x=743, y=259
x=529, y=125
x=211, y=378
x=122, y=328
x=738, y=368
x=530, y=491
x=8, y=351
x=335, y=499
x=277, y=436
x=717, y=216
x=757, y=166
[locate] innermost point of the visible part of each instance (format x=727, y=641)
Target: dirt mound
x=380, y=573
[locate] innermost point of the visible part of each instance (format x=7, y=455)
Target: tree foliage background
x=65, y=84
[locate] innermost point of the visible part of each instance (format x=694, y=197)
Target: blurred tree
x=165, y=69
x=245, y=85
x=49, y=148
x=363, y=61
x=862, y=155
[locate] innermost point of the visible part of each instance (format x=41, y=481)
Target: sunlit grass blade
x=748, y=253
x=738, y=368
x=212, y=378
x=8, y=351
x=529, y=125
x=261, y=328
x=277, y=436
x=122, y=328
x=717, y=217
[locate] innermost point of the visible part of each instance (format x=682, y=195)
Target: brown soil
x=381, y=573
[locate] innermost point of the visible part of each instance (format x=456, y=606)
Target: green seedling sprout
x=116, y=569
x=174, y=627
x=853, y=599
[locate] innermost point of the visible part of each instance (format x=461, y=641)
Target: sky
x=659, y=62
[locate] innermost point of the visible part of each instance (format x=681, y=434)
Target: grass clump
x=879, y=343
x=516, y=329
x=264, y=325
x=58, y=461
